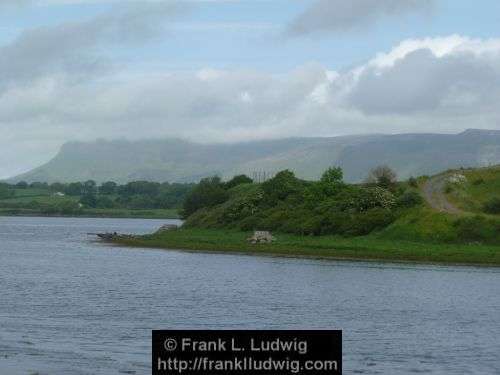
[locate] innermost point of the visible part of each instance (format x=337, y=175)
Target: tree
x=74, y=189
x=280, y=187
x=330, y=184
x=208, y=193
x=108, y=188
x=140, y=188
x=22, y=185
x=57, y=187
x=39, y=185
x=89, y=187
x=238, y=180
x=331, y=181
x=141, y=201
x=89, y=200
x=382, y=176
x=333, y=176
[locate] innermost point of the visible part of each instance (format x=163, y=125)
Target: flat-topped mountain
x=177, y=160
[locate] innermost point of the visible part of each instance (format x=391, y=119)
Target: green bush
x=280, y=187
x=249, y=223
x=301, y=222
x=275, y=218
x=336, y=223
x=367, y=222
x=409, y=198
x=478, y=228
x=492, y=206
x=105, y=202
x=478, y=181
x=243, y=206
x=375, y=197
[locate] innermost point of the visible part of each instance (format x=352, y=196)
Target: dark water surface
x=69, y=305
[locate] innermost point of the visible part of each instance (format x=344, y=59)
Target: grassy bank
x=359, y=248
x=480, y=187
x=97, y=212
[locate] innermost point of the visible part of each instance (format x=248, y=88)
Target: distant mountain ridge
x=175, y=160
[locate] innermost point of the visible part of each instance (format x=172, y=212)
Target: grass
x=42, y=199
x=482, y=185
x=422, y=224
x=360, y=248
x=31, y=192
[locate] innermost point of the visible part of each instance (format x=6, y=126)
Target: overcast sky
x=231, y=70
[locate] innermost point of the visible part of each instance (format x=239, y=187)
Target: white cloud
x=439, y=46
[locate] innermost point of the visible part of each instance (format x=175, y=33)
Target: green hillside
x=383, y=220
x=396, y=212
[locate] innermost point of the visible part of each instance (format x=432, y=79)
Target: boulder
x=261, y=237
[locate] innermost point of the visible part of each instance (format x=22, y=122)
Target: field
x=29, y=202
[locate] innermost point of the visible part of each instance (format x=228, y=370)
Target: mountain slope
x=177, y=160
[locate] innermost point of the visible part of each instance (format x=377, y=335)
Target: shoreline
x=311, y=257
x=357, y=249
x=92, y=216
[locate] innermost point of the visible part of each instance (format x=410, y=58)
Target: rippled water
x=69, y=305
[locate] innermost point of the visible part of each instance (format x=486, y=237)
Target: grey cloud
x=69, y=47
x=346, y=15
x=423, y=82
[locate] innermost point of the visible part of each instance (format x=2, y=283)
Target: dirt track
x=433, y=193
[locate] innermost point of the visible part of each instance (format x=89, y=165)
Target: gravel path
x=433, y=192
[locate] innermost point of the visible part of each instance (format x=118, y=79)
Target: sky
x=237, y=70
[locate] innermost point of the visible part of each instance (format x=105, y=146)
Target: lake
x=72, y=305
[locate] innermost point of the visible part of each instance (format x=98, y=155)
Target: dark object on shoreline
x=112, y=236
x=108, y=236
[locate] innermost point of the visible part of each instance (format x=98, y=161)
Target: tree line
x=132, y=195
